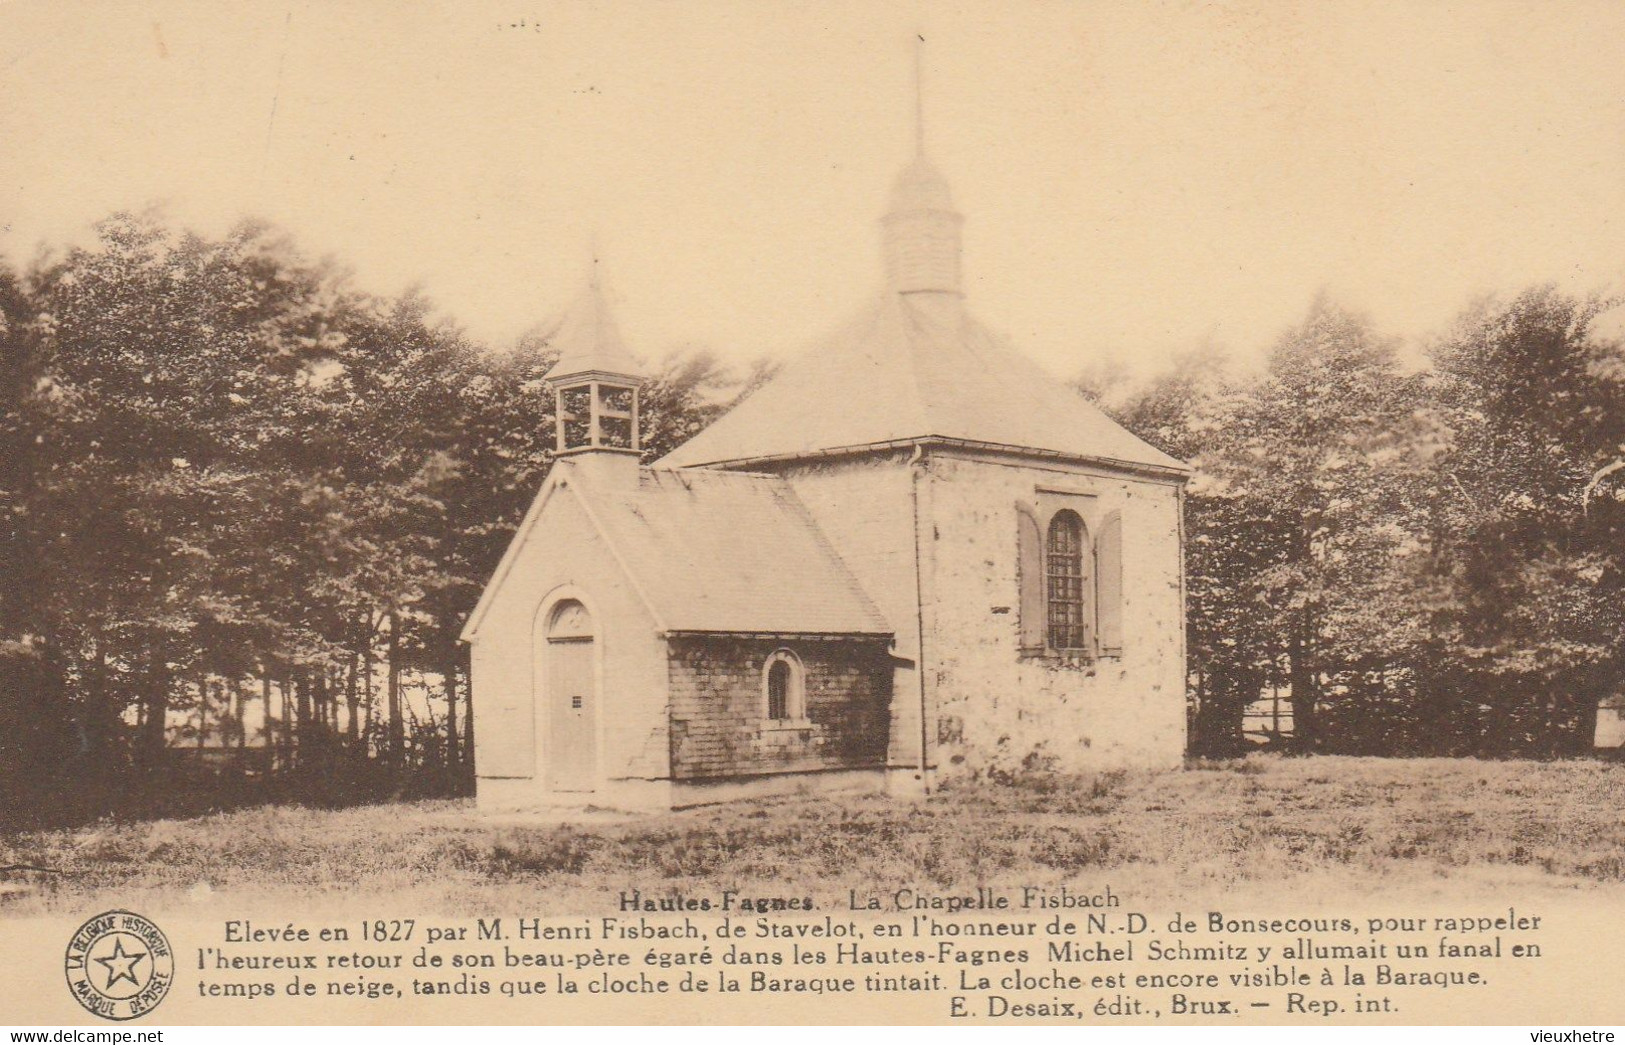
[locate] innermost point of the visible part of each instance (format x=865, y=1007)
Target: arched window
x=1069, y=586
x=782, y=687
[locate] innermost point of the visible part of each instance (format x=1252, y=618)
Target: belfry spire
x=596, y=382
x=922, y=229
x=919, y=95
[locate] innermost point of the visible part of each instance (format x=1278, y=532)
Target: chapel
x=910, y=556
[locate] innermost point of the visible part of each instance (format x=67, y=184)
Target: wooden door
x=572, y=738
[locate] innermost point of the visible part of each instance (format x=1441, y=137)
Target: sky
x=1138, y=179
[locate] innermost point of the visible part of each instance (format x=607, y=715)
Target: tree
x=1329, y=451
x=230, y=477
x=1529, y=522
x=1303, y=518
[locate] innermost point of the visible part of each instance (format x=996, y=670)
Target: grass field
x=1265, y=827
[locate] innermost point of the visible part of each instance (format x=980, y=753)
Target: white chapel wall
x=565, y=549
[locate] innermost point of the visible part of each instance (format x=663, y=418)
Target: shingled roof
x=913, y=367
x=729, y=552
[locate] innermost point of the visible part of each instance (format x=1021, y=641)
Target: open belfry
x=912, y=555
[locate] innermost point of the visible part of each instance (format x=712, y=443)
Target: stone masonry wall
x=718, y=709
x=997, y=710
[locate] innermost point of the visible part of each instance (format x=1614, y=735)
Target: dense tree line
x=1423, y=560
x=244, y=511
x=245, y=508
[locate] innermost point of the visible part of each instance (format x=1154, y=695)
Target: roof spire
x=921, y=240
x=595, y=386
x=588, y=338
x=919, y=94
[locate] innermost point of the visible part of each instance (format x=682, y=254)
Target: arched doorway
x=572, y=696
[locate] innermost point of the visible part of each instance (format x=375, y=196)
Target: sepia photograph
x=528, y=512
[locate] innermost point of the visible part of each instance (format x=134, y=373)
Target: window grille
x=778, y=690
x=1064, y=570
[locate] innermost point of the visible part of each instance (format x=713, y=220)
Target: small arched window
x=1069, y=587
x=782, y=687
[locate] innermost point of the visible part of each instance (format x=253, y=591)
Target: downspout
x=917, y=466
x=1184, y=623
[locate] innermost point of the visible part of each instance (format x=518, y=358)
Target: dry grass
x=1266, y=826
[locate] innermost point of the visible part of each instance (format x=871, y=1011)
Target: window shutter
x=1091, y=633
x=1109, y=584
x=1031, y=620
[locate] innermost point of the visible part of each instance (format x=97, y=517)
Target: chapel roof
x=914, y=367
x=716, y=551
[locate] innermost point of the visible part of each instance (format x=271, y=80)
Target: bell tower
x=922, y=239
x=596, y=384
x=922, y=233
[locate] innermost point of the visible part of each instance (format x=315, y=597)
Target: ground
x=1268, y=828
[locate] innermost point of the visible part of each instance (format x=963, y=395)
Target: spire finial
x=919, y=94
